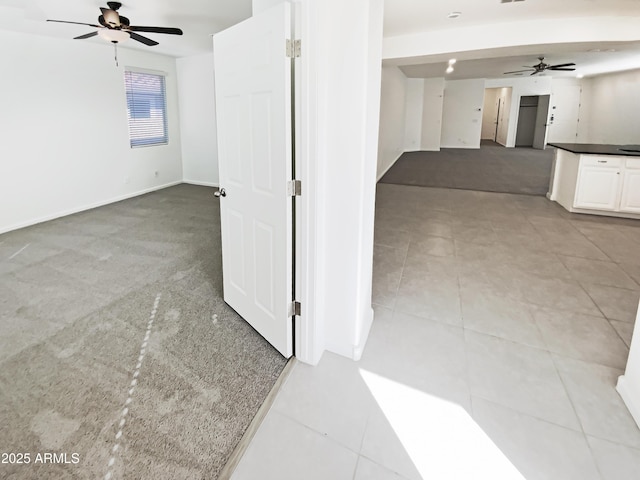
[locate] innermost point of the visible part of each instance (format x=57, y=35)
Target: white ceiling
x=404, y=17
x=411, y=16
x=591, y=59
x=200, y=18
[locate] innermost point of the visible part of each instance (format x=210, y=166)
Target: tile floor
x=502, y=323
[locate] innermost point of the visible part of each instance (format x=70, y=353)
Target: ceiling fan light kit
x=115, y=28
x=113, y=36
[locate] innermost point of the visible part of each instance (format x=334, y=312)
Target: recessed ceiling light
x=595, y=50
x=454, y=14
x=449, y=69
x=580, y=75
x=452, y=61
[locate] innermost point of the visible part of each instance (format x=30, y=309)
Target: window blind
x=146, y=109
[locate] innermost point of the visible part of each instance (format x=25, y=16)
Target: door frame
x=308, y=336
x=542, y=122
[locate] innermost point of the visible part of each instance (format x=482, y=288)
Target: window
x=146, y=109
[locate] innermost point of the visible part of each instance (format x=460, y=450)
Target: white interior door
x=565, y=113
x=490, y=114
x=253, y=98
x=542, y=122
x=504, y=115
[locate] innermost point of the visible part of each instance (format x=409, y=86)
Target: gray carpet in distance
x=492, y=168
x=76, y=299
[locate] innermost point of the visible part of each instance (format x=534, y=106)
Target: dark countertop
x=599, y=149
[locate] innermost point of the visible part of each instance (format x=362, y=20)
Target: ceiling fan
x=115, y=28
x=541, y=67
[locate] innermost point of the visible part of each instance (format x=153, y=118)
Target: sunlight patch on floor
x=440, y=437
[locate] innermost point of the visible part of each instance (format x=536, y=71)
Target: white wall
x=614, y=102
x=198, y=119
x=414, y=103
x=258, y=6
x=433, y=97
x=63, y=121
x=629, y=383
x=423, y=114
x=392, y=118
x=462, y=113
x=340, y=87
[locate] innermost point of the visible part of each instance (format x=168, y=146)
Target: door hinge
x=294, y=309
x=293, y=48
x=294, y=188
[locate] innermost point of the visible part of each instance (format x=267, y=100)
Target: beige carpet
x=116, y=345
x=492, y=168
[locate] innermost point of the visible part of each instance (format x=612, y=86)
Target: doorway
x=527, y=120
x=531, y=130
x=490, y=113
x=496, y=114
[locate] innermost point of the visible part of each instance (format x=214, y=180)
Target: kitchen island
x=596, y=179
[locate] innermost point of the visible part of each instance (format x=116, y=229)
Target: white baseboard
x=390, y=165
x=234, y=460
x=202, y=184
x=71, y=211
x=468, y=147
x=354, y=352
x=630, y=396
x=358, y=350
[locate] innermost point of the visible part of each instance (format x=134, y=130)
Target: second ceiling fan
x=541, y=67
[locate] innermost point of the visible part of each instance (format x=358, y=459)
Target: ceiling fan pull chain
x=115, y=49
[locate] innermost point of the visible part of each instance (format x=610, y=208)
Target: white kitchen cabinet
x=601, y=184
x=598, y=187
x=630, y=199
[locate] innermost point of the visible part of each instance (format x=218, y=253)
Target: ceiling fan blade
x=562, y=69
x=111, y=17
x=563, y=65
x=141, y=39
x=536, y=72
x=76, y=23
x=86, y=35
x=168, y=30
x=517, y=71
